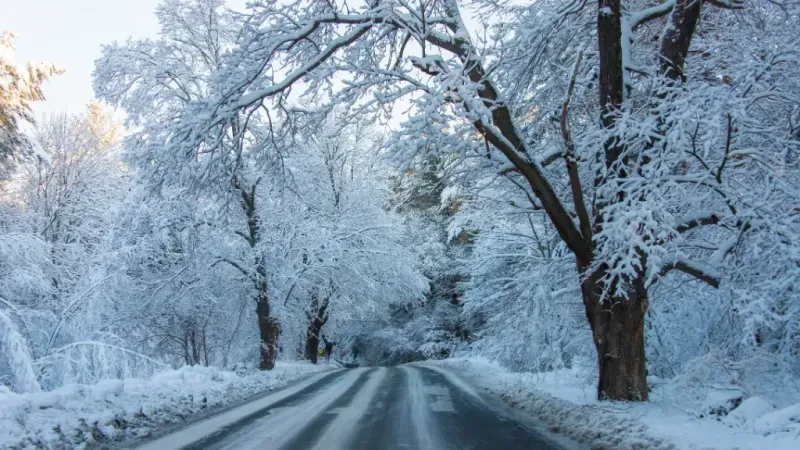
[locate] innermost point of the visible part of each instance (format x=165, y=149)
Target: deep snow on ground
x=76, y=416
x=565, y=402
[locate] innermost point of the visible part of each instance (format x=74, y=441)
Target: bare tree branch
x=569, y=157
x=234, y=264
x=646, y=15
x=700, y=272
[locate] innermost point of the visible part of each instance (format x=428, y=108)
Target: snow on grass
x=565, y=402
x=76, y=416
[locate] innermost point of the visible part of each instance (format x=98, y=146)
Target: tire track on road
x=286, y=421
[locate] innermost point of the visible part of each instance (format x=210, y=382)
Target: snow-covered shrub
x=760, y=375
x=16, y=363
x=88, y=362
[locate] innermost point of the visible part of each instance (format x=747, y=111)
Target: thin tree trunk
x=193, y=341
x=328, y=347
x=268, y=329
x=205, y=348
x=186, y=357
x=312, y=341
x=317, y=318
x=677, y=37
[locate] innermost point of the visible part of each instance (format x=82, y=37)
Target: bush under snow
x=78, y=415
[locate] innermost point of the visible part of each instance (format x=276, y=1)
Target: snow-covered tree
x=58, y=215
x=598, y=111
x=19, y=88
x=350, y=262
x=310, y=218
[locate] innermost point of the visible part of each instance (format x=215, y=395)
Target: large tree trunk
x=619, y=340
x=617, y=321
x=617, y=325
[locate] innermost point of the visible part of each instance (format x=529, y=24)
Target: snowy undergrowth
x=77, y=416
x=565, y=402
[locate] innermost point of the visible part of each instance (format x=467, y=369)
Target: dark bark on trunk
x=193, y=342
x=619, y=340
x=312, y=341
x=268, y=329
x=609, y=37
x=617, y=322
x=205, y=348
x=618, y=331
x=678, y=36
x=317, y=318
x=328, y=347
x=617, y=325
x=501, y=131
x=611, y=84
x=185, y=344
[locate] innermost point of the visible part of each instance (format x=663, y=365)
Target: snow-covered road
x=407, y=407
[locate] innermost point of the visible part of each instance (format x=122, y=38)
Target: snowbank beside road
x=80, y=415
x=565, y=402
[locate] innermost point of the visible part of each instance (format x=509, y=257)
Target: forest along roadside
x=367, y=408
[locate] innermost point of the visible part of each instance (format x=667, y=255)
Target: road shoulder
x=475, y=386
x=582, y=425
x=264, y=398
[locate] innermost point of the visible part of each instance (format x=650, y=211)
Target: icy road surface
x=406, y=407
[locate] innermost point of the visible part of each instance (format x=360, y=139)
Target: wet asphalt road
x=407, y=407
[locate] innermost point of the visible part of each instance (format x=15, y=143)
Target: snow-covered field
x=565, y=401
x=77, y=416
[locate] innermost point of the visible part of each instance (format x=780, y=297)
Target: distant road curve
x=408, y=407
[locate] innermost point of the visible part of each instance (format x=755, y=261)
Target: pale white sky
x=69, y=33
